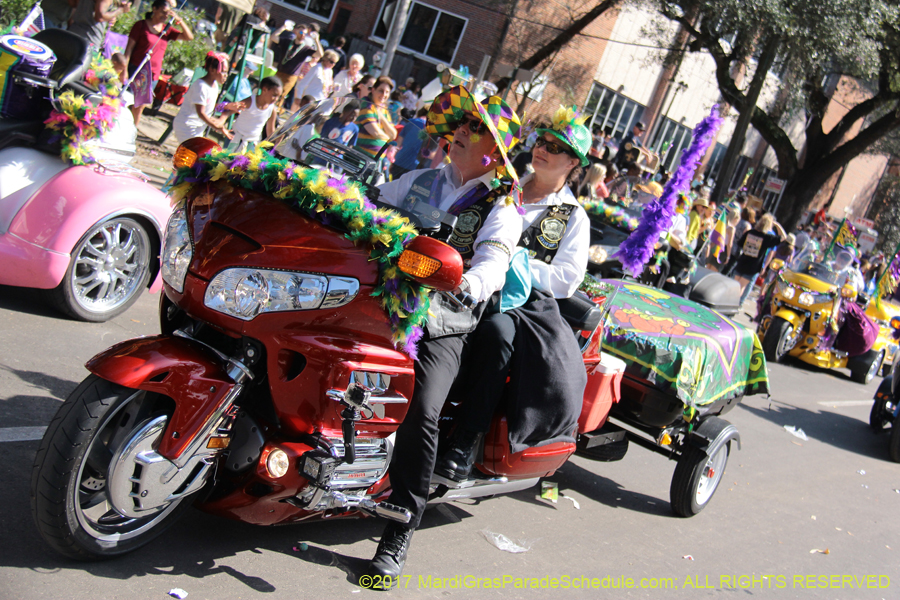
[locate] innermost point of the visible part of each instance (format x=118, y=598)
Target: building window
x=672, y=136
x=320, y=9
x=611, y=111
x=430, y=34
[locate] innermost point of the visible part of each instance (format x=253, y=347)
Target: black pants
x=485, y=371
x=415, y=450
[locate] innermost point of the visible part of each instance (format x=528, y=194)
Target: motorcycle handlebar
x=462, y=300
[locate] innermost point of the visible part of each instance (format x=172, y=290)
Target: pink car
x=90, y=235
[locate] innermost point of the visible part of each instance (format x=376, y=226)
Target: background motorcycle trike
x=89, y=235
x=283, y=366
x=799, y=319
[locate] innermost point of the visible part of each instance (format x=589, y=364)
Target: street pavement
x=792, y=518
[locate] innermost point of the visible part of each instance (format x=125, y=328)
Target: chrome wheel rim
x=711, y=475
x=874, y=367
x=109, y=265
x=788, y=340
x=93, y=509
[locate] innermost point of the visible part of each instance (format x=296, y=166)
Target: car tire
x=108, y=270
x=693, y=485
x=864, y=368
x=776, y=339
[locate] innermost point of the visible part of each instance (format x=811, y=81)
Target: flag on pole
x=33, y=22
x=888, y=281
x=140, y=85
x=845, y=236
x=717, y=237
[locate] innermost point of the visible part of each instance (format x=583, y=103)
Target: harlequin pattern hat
x=503, y=123
x=568, y=126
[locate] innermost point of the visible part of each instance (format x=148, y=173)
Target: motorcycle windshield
x=323, y=135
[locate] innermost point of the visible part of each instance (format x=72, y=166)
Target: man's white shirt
x=503, y=226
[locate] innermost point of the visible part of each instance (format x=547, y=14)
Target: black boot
x=457, y=462
x=387, y=564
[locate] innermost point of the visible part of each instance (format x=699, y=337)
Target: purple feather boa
x=638, y=249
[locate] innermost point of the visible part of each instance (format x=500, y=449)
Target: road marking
x=837, y=403
x=21, y=434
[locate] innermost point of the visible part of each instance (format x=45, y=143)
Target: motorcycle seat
x=580, y=312
x=72, y=51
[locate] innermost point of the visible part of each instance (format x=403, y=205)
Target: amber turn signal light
x=418, y=265
x=187, y=153
x=184, y=157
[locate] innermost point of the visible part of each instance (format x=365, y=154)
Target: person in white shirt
x=196, y=113
x=319, y=81
x=486, y=231
x=347, y=78
x=556, y=234
x=257, y=113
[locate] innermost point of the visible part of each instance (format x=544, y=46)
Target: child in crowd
x=257, y=113
x=342, y=128
x=196, y=113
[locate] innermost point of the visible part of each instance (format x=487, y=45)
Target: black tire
x=878, y=417
x=69, y=484
x=894, y=448
x=692, y=487
x=777, y=337
x=119, y=251
x=864, y=368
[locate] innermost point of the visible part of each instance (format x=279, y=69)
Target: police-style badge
x=463, y=234
x=552, y=231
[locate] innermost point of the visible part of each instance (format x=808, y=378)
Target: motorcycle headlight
x=805, y=299
x=177, y=250
x=788, y=291
x=245, y=293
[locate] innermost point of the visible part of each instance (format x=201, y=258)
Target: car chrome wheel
x=110, y=265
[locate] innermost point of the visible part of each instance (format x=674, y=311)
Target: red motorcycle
x=273, y=391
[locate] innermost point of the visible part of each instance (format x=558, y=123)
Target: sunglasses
x=552, y=147
x=475, y=125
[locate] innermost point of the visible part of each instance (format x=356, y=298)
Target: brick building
x=464, y=32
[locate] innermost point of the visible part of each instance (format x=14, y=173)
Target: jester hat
x=503, y=123
x=568, y=127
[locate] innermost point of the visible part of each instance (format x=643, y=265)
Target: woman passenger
x=556, y=234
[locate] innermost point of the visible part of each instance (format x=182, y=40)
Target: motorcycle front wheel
x=80, y=508
x=780, y=339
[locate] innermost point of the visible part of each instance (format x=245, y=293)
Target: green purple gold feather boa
x=328, y=198
x=614, y=215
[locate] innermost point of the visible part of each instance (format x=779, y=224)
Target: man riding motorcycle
x=486, y=231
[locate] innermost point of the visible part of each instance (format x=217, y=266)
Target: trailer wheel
x=696, y=479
